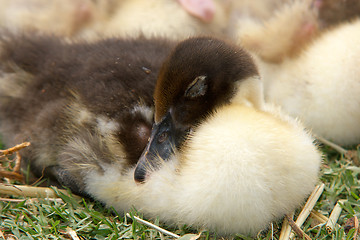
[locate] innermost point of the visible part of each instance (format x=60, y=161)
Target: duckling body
x=78, y=103
x=238, y=165
x=322, y=85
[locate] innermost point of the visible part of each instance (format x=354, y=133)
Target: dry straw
x=29, y=191
x=334, y=216
x=149, y=224
x=309, y=205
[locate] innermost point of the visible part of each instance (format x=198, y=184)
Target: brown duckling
x=78, y=103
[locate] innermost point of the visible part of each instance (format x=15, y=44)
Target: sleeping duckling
x=79, y=104
x=218, y=157
x=321, y=86
x=211, y=131
x=184, y=98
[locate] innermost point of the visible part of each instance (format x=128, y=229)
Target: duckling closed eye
x=200, y=75
x=197, y=88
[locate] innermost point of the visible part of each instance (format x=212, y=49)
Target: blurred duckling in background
x=283, y=35
x=217, y=156
x=321, y=85
x=69, y=18
x=245, y=11
x=95, y=20
x=168, y=18
x=183, y=18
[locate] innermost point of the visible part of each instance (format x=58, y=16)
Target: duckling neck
x=249, y=92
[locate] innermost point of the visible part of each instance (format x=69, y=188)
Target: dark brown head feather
x=222, y=64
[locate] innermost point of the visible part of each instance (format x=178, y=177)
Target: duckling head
x=200, y=75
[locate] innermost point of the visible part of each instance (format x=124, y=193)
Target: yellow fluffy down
x=321, y=86
x=240, y=170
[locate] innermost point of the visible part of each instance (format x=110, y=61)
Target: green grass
x=45, y=219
